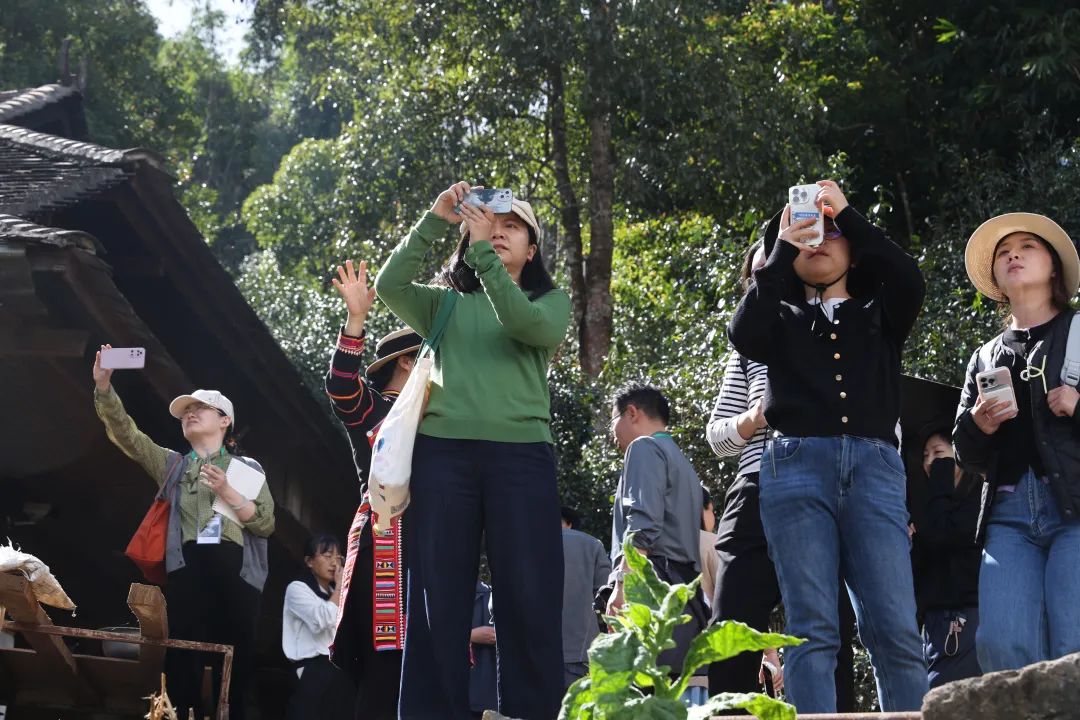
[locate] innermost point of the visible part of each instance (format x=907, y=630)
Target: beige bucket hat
x=979, y=254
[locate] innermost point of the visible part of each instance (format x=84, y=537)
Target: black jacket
x=946, y=556
x=1057, y=438
x=839, y=378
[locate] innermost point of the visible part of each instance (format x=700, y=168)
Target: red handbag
x=147, y=546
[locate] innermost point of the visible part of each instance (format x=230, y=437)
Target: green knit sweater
x=489, y=380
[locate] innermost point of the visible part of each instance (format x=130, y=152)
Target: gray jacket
x=585, y=570
x=659, y=499
x=256, y=565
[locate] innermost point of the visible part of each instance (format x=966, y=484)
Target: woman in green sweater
x=483, y=464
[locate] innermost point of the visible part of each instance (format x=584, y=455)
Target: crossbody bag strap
x=172, y=477
x=438, y=328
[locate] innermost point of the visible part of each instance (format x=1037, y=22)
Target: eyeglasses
x=199, y=407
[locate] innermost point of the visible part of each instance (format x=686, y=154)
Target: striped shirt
x=738, y=393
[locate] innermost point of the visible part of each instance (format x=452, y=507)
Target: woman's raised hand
x=480, y=221
x=352, y=285
x=831, y=198
x=102, y=376
x=449, y=199
x=798, y=233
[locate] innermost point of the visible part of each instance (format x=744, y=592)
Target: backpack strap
x=986, y=355
x=1070, y=369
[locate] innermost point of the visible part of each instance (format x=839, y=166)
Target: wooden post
x=16, y=594
x=148, y=605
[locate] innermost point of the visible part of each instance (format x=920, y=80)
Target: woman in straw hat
x=483, y=464
x=216, y=564
x=367, y=644
x=1030, y=575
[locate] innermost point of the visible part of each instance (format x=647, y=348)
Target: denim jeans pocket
x=891, y=458
x=784, y=448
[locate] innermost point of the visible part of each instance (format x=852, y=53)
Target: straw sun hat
x=979, y=255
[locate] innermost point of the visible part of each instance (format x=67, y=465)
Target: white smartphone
x=133, y=358
x=996, y=384
x=498, y=200
x=803, y=202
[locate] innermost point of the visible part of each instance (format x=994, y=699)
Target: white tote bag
x=391, y=456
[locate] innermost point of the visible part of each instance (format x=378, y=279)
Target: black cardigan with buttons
x=839, y=376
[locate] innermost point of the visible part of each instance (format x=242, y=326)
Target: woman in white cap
x=216, y=566
x=483, y=462
x=1029, y=581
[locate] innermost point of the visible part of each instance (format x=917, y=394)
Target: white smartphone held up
x=996, y=384
x=803, y=202
x=133, y=358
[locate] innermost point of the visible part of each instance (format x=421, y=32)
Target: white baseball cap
x=213, y=398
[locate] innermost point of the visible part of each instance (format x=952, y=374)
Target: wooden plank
x=42, y=342
x=148, y=605
x=15, y=593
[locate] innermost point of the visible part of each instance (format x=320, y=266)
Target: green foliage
x=622, y=664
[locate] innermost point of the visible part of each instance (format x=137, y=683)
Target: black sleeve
x=974, y=448
x=949, y=521
x=903, y=286
x=756, y=327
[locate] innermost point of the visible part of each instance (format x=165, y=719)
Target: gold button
x=833, y=336
x=839, y=378
x=836, y=356
x=843, y=419
x=843, y=396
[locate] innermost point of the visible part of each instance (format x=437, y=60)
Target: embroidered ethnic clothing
x=361, y=410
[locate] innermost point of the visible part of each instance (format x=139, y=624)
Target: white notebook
x=245, y=480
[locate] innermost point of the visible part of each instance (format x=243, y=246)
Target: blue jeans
x=837, y=506
x=1029, y=580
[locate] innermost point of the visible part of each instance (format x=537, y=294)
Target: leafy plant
x=622, y=664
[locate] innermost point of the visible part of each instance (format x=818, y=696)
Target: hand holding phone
x=997, y=400
x=803, y=200
x=131, y=358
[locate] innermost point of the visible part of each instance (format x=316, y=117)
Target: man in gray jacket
x=658, y=500
x=586, y=568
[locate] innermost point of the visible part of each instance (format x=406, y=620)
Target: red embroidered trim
x=388, y=618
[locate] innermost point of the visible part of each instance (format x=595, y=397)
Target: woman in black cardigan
x=829, y=322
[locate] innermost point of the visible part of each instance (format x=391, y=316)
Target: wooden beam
x=42, y=342
x=15, y=593
x=148, y=605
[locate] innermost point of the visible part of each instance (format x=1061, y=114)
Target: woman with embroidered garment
x=370, y=631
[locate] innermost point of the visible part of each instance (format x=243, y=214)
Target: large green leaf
x=641, y=584
x=617, y=652
x=760, y=706
x=650, y=708
x=726, y=640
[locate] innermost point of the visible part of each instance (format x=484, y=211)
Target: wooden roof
x=95, y=248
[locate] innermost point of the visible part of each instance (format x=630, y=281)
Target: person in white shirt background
x=307, y=629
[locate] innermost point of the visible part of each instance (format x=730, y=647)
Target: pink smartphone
x=997, y=384
x=132, y=358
